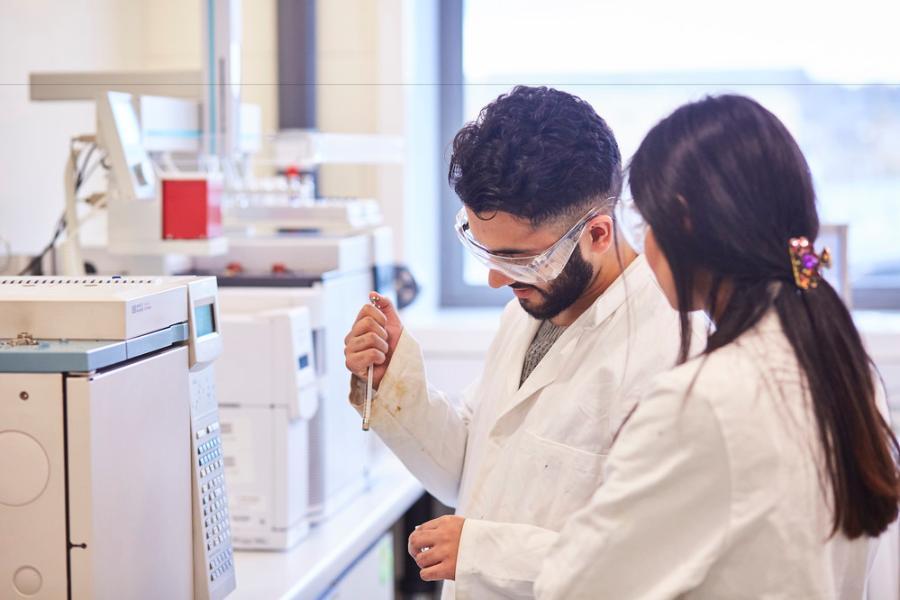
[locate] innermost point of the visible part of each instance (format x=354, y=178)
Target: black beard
x=564, y=290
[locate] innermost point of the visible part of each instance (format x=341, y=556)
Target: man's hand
x=373, y=339
x=435, y=545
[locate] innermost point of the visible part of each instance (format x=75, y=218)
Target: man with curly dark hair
x=539, y=174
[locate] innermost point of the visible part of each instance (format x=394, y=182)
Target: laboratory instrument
x=112, y=480
x=269, y=396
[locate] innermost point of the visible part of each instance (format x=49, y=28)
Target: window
x=829, y=72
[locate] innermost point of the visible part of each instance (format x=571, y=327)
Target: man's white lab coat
x=714, y=490
x=517, y=462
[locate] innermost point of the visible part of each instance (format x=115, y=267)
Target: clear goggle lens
x=537, y=269
x=631, y=223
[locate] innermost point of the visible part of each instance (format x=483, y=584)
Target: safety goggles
x=631, y=223
x=539, y=268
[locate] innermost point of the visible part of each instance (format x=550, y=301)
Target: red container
x=192, y=207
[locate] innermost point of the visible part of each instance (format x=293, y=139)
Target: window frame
x=454, y=291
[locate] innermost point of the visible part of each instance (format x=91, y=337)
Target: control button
x=27, y=581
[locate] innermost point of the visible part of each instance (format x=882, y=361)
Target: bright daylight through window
x=829, y=71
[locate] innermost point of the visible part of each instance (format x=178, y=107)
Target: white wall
x=48, y=35
x=95, y=35
x=377, y=65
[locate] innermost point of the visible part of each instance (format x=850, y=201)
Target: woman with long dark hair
x=763, y=468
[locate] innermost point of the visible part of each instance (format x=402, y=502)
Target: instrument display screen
x=204, y=320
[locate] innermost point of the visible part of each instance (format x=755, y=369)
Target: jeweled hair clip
x=806, y=263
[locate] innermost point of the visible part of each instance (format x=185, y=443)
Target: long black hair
x=724, y=187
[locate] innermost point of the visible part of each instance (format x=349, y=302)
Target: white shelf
x=310, y=148
x=206, y=247
x=310, y=568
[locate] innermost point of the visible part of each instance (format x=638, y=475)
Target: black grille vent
x=88, y=281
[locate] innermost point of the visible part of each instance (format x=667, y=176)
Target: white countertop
x=453, y=331
x=310, y=568
x=881, y=332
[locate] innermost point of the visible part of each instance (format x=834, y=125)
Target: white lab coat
x=516, y=462
x=713, y=490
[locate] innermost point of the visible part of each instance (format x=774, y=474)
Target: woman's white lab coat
x=715, y=490
x=516, y=462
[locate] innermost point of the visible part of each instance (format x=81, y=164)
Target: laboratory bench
x=309, y=570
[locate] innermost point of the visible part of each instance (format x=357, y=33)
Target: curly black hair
x=536, y=153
